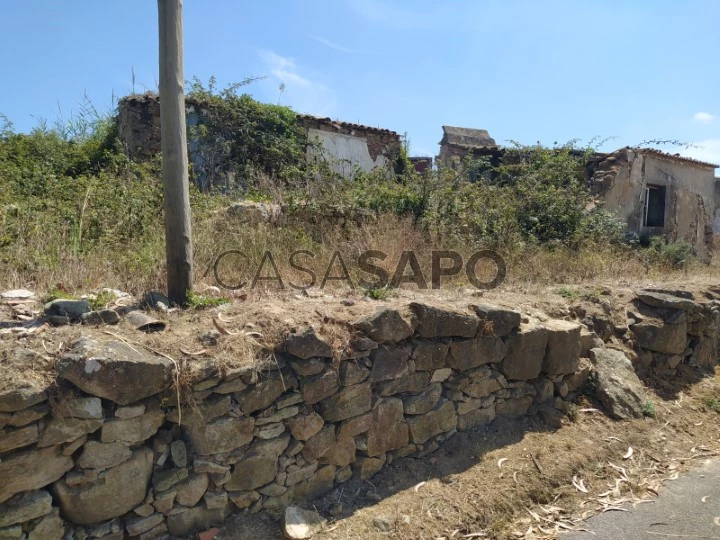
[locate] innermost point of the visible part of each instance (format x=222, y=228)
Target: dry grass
x=51, y=261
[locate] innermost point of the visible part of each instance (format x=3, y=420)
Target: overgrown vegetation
x=674, y=254
x=77, y=214
x=241, y=138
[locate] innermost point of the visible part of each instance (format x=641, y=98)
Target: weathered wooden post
x=178, y=228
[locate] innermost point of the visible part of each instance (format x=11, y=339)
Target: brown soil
x=256, y=323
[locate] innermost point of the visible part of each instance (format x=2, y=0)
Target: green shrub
x=199, y=301
x=674, y=254
x=381, y=293
x=649, y=409
x=713, y=404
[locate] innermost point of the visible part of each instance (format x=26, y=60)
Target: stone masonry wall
x=107, y=453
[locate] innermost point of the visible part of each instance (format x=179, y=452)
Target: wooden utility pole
x=178, y=228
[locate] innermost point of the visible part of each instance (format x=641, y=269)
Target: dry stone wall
x=108, y=453
x=670, y=328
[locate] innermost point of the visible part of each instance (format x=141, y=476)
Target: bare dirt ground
x=260, y=319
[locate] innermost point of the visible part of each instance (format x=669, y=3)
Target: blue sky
x=528, y=71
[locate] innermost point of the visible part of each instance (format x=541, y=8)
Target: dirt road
x=688, y=507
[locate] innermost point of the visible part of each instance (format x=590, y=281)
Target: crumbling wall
x=108, y=453
x=138, y=125
x=347, y=146
x=620, y=180
x=343, y=145
x=669, y=328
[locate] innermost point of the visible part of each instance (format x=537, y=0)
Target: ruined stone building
x=657, y=193
x=458, y=142
x=421, y=164
x=343, y=145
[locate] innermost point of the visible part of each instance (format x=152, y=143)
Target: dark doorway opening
x=655, y=206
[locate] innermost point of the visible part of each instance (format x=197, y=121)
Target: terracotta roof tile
x=673, y=157
x=344, y=125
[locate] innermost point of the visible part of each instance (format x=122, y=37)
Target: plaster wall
x=344, y=152
x=689, y=204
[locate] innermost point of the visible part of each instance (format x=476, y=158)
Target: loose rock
x=301, y=524
x=618, y=387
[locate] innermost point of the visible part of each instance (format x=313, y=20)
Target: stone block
x=657, y=336
x=297, y=474
x=191, y=490
x=307, y=344
x=387, y=325
x=320, y=386
x=388, y=430
x=132, y=430
x=26, y=416
x=469, y=354
x=349, y=402
x=72, y=405
x=525, y=353
x=130, y=411
x=352, y=373
x=434, y=322
x=563, y=347
x=222, y=435
x=410, y=382
x=354, y=426
x=577, y=380
x=33, y=469
x=115, y=371
x=389, y=363
x=17, y=399
x=367, y=467
x=116, y=492
x=440, y=419
x=97, y=455
x=618, y=387
x=196, y=519
x=423, y=402
x=50, y=527
x=264, y=392
x=25, y=507
x=258, y=466
x=501, y=321
x=430, y=355
x=342, y=453
x=17, y=438
x=514, y=407
x=320, y=443
x=62, y=430
x=304, y=426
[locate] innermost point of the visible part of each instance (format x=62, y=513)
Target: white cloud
x=300, y=91
x=284, y=68
x=707, y=150
x=703, y=117
x=337, y=47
